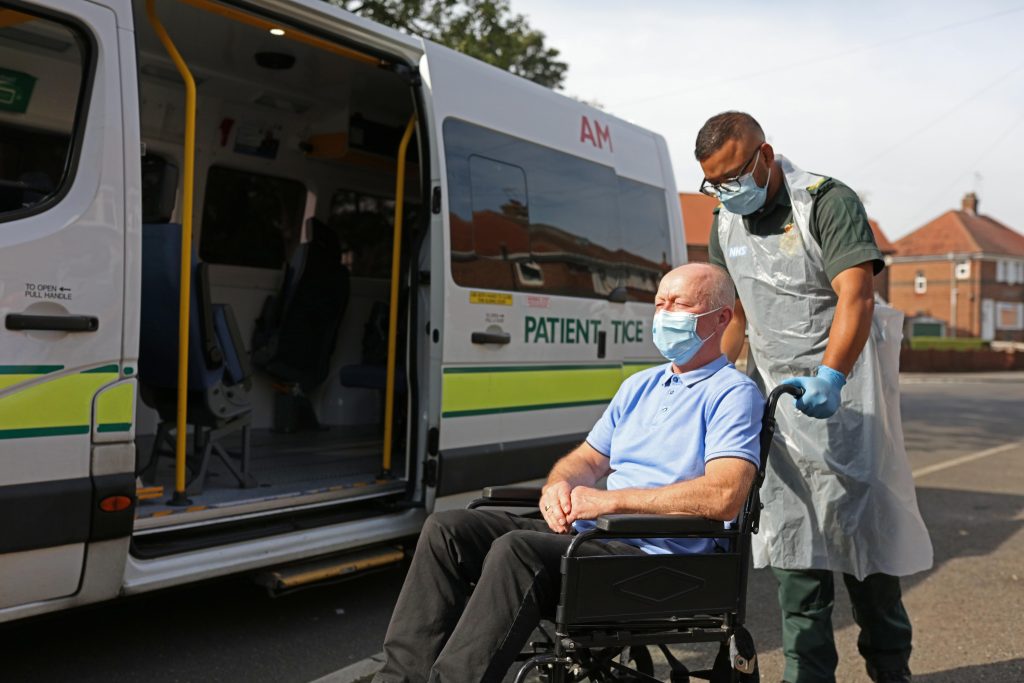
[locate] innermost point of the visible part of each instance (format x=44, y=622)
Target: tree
x=485, y=29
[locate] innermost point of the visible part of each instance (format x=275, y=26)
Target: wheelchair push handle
x=776, y=394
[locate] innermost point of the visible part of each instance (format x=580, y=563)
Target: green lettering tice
x=617, y=329
x=640, y=330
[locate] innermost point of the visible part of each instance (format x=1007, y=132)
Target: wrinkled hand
x=556, y=505
x=821, y=392
x=589, y=503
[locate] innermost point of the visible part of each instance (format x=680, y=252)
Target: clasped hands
x=561, y=504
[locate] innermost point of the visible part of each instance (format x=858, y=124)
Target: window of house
x=920, y=283
x=1009, y=316
x=1014, y=272
x=44, y=69
x=250, y=219
x=1000, y=270
x=528, y=217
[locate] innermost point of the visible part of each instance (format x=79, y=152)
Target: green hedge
x=946, y=343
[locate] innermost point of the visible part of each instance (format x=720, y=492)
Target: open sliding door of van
x=65, y=396
x=544, y=298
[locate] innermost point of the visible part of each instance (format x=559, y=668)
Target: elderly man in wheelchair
x=659, y=557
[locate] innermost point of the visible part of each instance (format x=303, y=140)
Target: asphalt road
x=965, y=436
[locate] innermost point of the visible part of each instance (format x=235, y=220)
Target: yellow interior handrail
x=290, y=33
x=396, y=254
x=184, y=291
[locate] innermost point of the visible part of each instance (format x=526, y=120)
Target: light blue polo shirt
x=662, y=427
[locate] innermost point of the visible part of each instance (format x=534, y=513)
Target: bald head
x=699, y=285
x=735, y=126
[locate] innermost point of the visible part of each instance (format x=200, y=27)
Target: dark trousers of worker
x=479, y=583
x=807, y=597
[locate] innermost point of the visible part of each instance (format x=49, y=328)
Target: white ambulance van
x=407, y=275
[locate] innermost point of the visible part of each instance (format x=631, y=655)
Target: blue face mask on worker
x=675, y=335
x=744, y=196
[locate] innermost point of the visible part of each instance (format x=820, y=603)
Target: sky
x=912, y=104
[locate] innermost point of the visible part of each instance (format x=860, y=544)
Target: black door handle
x=57, y=323
x=491, y=338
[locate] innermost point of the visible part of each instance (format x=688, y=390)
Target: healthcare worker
x=839, y=495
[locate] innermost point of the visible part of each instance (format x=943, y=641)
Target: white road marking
x=970, y=457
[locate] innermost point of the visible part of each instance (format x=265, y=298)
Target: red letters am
x=596, y=134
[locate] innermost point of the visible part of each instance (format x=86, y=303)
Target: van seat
x=219, y=377
x=297, y=330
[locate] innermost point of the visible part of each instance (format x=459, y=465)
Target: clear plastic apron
x=838, y=494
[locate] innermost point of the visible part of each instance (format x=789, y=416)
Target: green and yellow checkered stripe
x=59, y=403
x=470, y=391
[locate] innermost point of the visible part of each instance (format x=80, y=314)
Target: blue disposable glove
x=821, y=392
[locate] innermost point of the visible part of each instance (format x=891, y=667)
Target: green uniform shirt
x=839, y=225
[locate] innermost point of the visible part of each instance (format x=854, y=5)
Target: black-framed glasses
x=729, y=185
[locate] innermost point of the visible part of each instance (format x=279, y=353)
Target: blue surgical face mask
x=675, y=335
x=749, y=197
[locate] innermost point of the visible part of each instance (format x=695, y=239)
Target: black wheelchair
x=616, y=607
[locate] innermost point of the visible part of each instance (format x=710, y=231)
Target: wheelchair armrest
x=656, y=525
x=530, y=493
x=508, y=496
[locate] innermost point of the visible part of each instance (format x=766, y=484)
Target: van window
x=527, y=217
x=250, y=219
x=43, y=71
x=364, y=225
x=646, y=247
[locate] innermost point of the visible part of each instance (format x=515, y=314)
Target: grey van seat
x=297, y=330
x=219, y=377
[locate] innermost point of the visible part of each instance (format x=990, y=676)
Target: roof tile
x=962, y=232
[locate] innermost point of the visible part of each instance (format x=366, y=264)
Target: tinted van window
x=528, y=217
x=43, y=72
x=250, y=219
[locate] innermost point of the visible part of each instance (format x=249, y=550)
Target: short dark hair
x=729, y=125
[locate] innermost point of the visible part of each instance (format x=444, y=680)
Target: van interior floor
x=289, y=469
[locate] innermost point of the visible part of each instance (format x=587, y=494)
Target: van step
x=291, y=577
x=149, y=492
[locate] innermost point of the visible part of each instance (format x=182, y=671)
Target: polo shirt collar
x=697, y=375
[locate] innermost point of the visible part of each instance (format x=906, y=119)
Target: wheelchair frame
x=653, y=599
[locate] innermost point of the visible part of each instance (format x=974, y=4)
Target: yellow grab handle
x=185, y=289
x=396, y=257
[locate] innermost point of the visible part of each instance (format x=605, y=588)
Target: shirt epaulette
x=822, y=184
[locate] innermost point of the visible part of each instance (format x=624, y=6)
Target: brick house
x=888, y=249
x=697, y=216
x=697, y=219
x=964, y=269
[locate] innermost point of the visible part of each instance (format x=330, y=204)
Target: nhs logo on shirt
x=737, y=251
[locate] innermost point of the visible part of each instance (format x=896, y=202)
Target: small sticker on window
x=493, y=298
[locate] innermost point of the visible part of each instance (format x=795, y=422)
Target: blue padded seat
x=219, y=378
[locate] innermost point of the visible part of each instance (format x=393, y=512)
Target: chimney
x=970, y=203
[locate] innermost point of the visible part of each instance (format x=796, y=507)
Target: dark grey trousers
x=479, y=583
